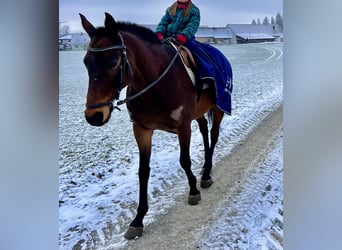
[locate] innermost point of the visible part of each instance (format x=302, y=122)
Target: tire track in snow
x=274, y=52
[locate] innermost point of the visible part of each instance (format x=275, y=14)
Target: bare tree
x=63, y=29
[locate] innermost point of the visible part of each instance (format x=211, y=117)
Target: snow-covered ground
x=98, y=185
x=252, y=216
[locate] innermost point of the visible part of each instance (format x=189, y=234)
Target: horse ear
x=87, y=26
x=110, y=23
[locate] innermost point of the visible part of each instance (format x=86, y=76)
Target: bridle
x=123, y=67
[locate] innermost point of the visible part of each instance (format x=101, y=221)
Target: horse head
x=105, y=61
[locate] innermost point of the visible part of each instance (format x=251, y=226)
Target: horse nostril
x=96, y=119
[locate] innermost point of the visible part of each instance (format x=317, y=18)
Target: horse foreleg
x=143, y=138
x=184, y=136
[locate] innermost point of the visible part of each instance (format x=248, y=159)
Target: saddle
x=187, y=59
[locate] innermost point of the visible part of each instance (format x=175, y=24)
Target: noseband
x=123, y=67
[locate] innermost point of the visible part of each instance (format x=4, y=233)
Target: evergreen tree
x=258, y=21
x=266, y=22
x=279, y=20
x=254, y=22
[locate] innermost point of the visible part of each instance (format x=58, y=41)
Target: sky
x=213, y=12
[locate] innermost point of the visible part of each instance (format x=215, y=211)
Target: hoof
x=207, y=183
x=194, y=199
x=133, y=232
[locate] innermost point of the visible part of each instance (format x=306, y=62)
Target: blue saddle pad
x=211, y=63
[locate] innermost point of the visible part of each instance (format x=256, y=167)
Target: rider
x=181, y=21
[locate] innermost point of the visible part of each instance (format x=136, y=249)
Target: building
x=207, y=34
x=73, y=41
x=64, y=42
x=80, y=41
x=236, y=33
x=254, y=33
x=215, y=35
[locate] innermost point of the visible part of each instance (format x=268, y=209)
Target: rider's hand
x=181, y=38
x=160, y=36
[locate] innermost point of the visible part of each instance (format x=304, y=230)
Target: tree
x=266, y=22
x=279, y=20
x=254, y=22
x=258, y=21
x=64, y=29
x=272, y=20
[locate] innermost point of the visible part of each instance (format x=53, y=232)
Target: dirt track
x=185, y=226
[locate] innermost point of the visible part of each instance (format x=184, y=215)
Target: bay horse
x=122, y=54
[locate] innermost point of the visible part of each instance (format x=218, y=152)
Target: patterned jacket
x=171, y=26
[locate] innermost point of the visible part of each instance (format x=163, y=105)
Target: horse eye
x=113, y=63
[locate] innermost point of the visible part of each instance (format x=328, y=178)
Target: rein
x=123, y=70
x=120, y=102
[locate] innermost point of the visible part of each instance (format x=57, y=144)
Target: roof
x=255, y=36
x=80, y=38
x=65, y=37
x=257, y=31
x=215, y=32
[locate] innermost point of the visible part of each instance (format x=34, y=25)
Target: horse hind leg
x=203, y=126
x=216, y=116
x=184, y=137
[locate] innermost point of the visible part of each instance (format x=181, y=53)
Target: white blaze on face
x=177, y=113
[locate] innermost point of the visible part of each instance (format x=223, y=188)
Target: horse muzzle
x=98, y=116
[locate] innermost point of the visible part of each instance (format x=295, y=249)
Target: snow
x=253, y=218
x=98, y=185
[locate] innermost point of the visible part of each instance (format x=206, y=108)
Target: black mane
x=138, y=30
